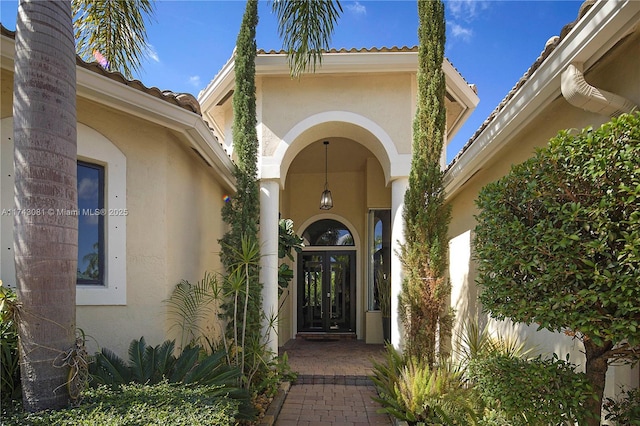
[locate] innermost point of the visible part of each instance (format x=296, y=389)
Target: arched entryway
x=361, y=165
x=326, y=284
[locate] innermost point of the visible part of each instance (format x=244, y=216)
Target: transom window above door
x=327, y=232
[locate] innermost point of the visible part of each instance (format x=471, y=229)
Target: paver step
x=339, y=379
x=326, y=336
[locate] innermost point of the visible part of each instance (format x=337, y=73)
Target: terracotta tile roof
x=183, y=100
x=549, y=47
x=352, y=50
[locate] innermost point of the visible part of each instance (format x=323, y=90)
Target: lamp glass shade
x=326, y=202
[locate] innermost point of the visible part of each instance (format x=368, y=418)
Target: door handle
x=329, y=295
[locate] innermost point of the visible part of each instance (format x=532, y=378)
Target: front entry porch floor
x=333, y=387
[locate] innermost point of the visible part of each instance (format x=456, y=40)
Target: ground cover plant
x=137, y=404
x=558, y=244
x=152, y=365
x=10, y=374
x=152, y=387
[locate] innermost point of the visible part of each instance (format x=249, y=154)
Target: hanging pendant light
x=326, y=202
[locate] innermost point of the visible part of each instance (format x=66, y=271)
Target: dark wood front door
x=326, y=291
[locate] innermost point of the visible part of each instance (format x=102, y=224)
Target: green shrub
x=412, y=391
x=532, y=392
x=148, y=364
x=135, y=404
x=151, y=365
x=624, y=411
x=493, y=417
x=10, y=371
x=558, y=243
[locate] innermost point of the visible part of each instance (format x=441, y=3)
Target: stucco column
x=269, y=212
x=398, y=188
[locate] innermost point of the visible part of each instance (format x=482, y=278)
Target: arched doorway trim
x=356, y=238
x=382, y=146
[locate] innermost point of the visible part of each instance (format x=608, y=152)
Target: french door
x=326, y=291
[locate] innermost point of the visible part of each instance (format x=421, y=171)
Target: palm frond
x=213, y=370
x=305, y=27
x=164, y=358
x=190, y=304
x=110, y=369
x=137, y=350
x=185, y=362
x=150, y=364
x=114, y=28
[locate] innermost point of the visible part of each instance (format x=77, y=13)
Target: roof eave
x=591, y=37
x=345, y=62
x=219, y=87
x=108, y=92
x=462, y=92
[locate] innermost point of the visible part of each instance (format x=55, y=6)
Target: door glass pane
x=325, y=292
x=340, y=297
x=312, y=309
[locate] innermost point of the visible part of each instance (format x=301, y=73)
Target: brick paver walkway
x=333, y=386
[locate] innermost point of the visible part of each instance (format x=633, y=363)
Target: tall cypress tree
x=425, y=289
x=242, y=212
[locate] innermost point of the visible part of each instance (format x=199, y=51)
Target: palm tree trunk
x=45, y=242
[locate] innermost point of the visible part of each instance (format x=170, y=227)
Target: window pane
x=90, y=224
x=379, y=253
x=327, y=232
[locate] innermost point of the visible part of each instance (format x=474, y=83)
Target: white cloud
x=457, y=31
x=466, y=9
x=357, y=8
x=90, y=219
x=88, y=189
x=151, y=52
x=194, y=80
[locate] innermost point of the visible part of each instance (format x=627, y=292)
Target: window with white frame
x=102, y=217
x=91, y=217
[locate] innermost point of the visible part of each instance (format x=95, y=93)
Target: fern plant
x=410, y=390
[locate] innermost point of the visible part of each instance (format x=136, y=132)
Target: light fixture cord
x=326, y=162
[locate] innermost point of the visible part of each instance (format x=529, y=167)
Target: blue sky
x=491, y=43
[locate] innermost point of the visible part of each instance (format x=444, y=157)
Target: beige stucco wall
x=173, y=223
x=6, y=93
x=618, y=73
x=384, y=99
x=173, y=226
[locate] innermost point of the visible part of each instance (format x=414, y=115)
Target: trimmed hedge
x=532, y=392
